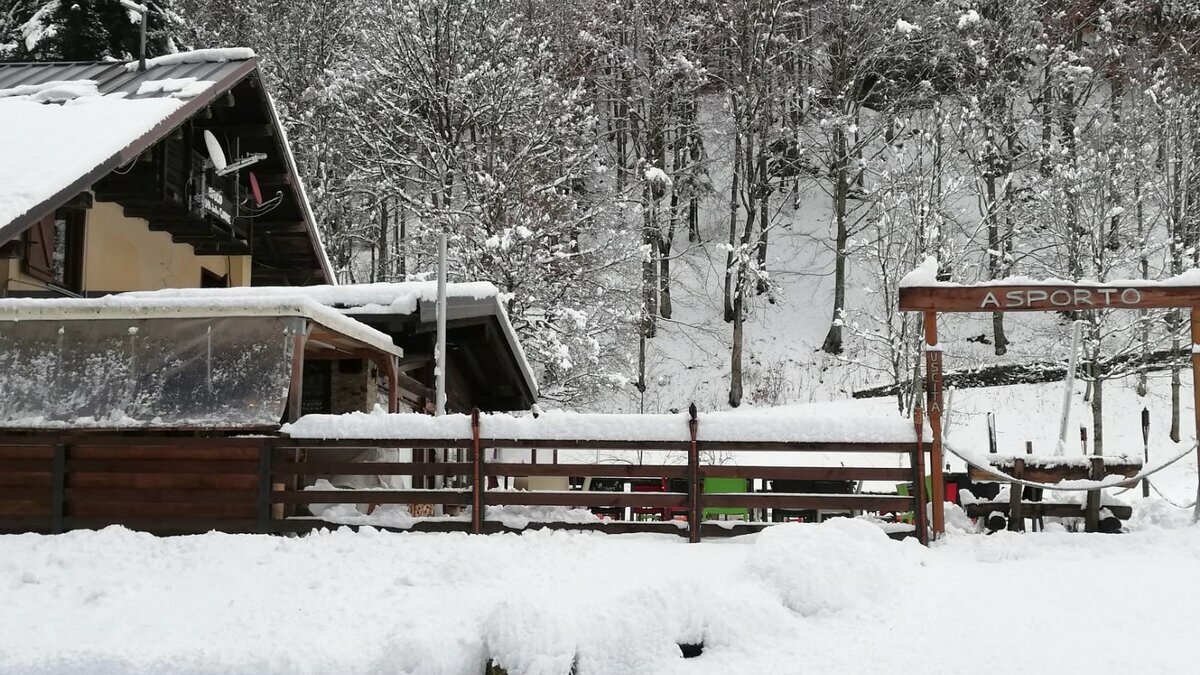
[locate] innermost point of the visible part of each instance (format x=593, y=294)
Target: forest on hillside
x=562, y=146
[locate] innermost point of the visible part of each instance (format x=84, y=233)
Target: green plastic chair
x=902, y=490
x=725, y=486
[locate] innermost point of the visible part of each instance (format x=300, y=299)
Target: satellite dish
x=215, y=154
x=255, y=190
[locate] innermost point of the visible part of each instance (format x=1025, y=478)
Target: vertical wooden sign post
x=933, y=394
x=1196, y=396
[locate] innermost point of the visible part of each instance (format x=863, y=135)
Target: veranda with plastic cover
x=123, y=363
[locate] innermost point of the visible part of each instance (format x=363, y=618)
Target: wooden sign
x=1051, y=298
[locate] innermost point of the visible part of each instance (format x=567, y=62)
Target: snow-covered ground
x=833, y=598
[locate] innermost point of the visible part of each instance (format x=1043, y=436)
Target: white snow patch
x=197, y=56
x=53, y=92
x=183, y=87
x=378, y=298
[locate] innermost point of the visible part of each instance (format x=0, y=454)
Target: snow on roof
x=197, y=56
x=56, y=91
x=44, y=148
x=378, y=298
x=178, y=87
x=820, y=423
x=126, y=306
x=401, y=298
x=925, y=275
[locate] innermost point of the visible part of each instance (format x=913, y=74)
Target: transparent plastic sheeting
x=228, y=372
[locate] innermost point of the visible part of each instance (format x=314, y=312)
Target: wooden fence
x=174, y=485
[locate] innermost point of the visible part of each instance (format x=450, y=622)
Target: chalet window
x=54, y=249
x=316, y=395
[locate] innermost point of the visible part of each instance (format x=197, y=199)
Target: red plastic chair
x=659, y=485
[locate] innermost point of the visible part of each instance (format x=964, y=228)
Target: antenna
x=248, y=160
x=216, y=156
x=145, y=14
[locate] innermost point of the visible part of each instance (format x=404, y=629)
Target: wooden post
x=58, y=489
x=1035, y=495
x=478, y=484
x=1146, y=447
x=1016, y=517
x=393, y=376
x=263, y=498
x=296, y=386
x=695, y=513
x=1196, y=397
x=295, y=402
x=917, y=463
x=991, y=422
x=1092, y=515
x=933, y=393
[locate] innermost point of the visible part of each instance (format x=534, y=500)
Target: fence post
x=695, y=513
x=1016, y=512
x=263, y=501
x=478, y=483
x=1091, y=517
x=917, y=462
x=58, y=489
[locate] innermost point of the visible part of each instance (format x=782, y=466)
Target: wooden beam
x=296, y=385
x=1044, y=509
x=1045, y=298
x=933, y=393
x=237, y=130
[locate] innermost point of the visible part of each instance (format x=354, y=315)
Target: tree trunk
x=385, y=261
x=649, y=263
x=695, y=152
x=735, y=354
x=1176, y=324
x=764, y=219
x=1098, y=388
x=1144, y=269
x=995, y=250
x=833, y=339
x=664, y=260
x=733, y=222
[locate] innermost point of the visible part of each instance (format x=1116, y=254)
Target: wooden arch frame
x=1045, y=297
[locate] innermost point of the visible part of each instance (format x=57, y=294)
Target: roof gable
x=64, y=126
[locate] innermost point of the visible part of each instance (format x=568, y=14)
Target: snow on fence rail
x=789, y=424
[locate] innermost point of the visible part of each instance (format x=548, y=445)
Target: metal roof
x=113, y=77
x=124, y=80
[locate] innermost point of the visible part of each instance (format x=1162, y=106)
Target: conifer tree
x=85, y=30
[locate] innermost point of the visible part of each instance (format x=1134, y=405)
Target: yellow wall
x=122, y=254
x=13, y=278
